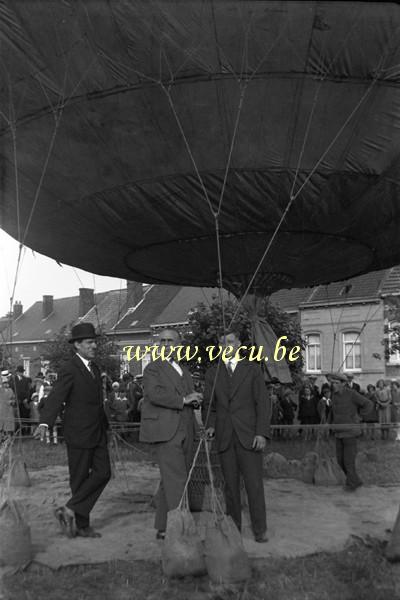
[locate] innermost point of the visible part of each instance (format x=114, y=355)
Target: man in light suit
x=239, y=418
x=79, y=388
x=167, y=422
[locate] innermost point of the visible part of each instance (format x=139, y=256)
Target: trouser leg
x=160, y=521
x=90, y=471
x=349, y=459
x=251, y=468
x=230, y=471
x=173, y=458
x=339, y=454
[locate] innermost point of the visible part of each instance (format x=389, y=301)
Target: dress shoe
x=65, y=518
x=160, y=535
x=87, y=532
x=261, y=539
x=352, y=488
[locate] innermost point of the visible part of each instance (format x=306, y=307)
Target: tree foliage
x=206, y=324
x=59, y=350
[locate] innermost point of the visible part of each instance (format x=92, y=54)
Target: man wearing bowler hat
x=79, y=388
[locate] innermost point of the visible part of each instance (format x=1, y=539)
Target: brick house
x=129, y=316
x=345, y=324
x=24, y=340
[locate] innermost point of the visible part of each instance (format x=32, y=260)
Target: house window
x=394, y=338
x=123, y=364
x=352, y=351
x=27, y=366
x=313, y=352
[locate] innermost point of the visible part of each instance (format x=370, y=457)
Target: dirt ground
x=302, y=519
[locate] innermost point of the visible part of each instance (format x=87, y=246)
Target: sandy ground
x=302, y=519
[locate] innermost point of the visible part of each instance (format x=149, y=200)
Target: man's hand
x=192, y=398
x=210, y=432
x=259, y=443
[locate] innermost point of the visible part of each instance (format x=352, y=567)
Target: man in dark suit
x=167, y=422
x=79, y=388
x=239, y=418
x=21, y=386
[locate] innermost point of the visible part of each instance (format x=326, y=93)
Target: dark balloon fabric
x=126, y=125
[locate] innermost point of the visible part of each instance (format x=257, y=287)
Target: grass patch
x=357, y=573
x=382, y=467
x=38, y=455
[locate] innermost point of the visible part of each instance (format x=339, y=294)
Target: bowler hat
x=20, y=369
x=82, y=331
x=337, y=377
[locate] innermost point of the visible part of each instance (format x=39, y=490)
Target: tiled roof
x=358, y=288
x=155, y=301
x=371, y=285
x=109, y=308
x=391, y=283
x=31, y=326
x=289, y=300
x=4, y=322
x=186, y=299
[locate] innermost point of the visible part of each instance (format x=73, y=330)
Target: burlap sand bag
x=15, y=536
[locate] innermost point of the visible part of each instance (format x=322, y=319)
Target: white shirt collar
x=85, y=361
x=231, y=361
x=176, y=366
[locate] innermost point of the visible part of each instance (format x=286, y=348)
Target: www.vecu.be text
x=189, y=353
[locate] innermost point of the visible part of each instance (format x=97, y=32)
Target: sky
x=39, y=276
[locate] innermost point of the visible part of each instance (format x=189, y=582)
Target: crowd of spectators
x=311, y=405
x=21, y=399
x=123, y=398
x=308, y=404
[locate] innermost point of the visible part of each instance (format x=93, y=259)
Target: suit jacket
x=21, y=387
x=84, y=418
x=239, y=404
x=162, y=408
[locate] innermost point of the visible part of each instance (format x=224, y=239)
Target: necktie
x=91, y=369
x=229, y=366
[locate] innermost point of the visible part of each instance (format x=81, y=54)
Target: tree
x=206, y=325
x=59, y=350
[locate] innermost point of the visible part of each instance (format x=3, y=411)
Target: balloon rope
x=305, y=138
x=363, y=326
x=189, y=475
x=335, y=329
x=235, y=130
x=96, y=308
x=189, y=151
x=15, y=159
x=295, y=196
x=355, y=109
x=44, y=169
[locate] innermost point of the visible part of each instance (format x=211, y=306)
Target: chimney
x=47, y=306
x=17, y=310
x=134, y=293
x=86, y=300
